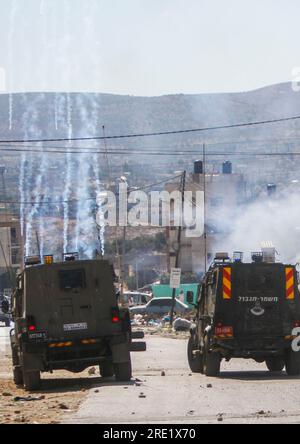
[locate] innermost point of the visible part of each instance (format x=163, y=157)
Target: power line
x=140, y=152
x=160, y=133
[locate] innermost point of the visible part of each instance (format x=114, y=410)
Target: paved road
x=4, y=338
x=244, y=393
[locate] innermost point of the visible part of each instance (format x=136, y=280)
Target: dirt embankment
x=60, y=394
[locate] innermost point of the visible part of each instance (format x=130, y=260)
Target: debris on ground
x=63, y=406
x=92, y=371
x=181, y=324
x=28, y=398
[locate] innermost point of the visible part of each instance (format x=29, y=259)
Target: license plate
x=38, y=336
x=75, y=327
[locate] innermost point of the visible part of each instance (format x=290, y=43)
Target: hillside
x=48, y=115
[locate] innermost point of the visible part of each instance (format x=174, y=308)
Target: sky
x=147, y=47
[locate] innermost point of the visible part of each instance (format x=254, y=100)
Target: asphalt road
x=245, y=392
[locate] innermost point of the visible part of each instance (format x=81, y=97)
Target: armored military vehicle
x=246, y=310
x=67, y=316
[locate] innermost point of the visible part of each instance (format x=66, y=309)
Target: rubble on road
x=157, y=325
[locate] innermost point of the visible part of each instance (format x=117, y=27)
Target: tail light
x=115, y=315
x=223, y=331
x=296, y=324
x=31, y=325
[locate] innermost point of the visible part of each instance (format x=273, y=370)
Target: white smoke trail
x=11, y=61
x=100, y=219
x=22, y=193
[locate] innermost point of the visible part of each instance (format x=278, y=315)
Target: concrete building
x=11, y=249
x=223, y=193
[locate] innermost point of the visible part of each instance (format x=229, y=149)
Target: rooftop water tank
x=198, y=167
x=227, y=168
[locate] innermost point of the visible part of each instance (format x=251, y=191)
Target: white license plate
x=74, y=327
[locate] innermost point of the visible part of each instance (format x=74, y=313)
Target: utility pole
x=177, y=261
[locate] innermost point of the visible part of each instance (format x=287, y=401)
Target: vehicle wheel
x=18, y=375
x=31, y=380
x=292, y=363
x=275, y=364
x=195, y=361
x=106, y=369
x=211, y=361
x=123, y=371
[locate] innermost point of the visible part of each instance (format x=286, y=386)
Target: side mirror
x=5, y=307
x=190, y=298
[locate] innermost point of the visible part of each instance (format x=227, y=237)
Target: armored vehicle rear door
x=75, y=299
x=253, y=299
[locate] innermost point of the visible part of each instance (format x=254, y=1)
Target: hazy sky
x=148, y=47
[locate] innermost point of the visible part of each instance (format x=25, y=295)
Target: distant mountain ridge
x=48, y=115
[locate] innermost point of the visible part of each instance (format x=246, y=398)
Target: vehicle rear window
x=257, y=280
x=161, y=302
x=70, y=279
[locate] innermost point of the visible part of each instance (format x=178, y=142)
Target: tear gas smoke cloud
x=275, y=219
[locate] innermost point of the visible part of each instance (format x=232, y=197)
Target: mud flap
x=137, y=335
x=138, y=346
x=120, y=353
x=31, y=362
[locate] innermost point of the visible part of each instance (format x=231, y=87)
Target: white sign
x=75, y=327
x=175, y=278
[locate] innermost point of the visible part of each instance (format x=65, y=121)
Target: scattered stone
x=96, y=391
x=261, y=412
x=220, y=418
x=142, y=395
x=209, y=386
x=92, y=371
x=62, y=406
x=28, y=398
x=6, y=394
x=163, y=373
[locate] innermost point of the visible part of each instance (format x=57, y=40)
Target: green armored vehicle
x=246, y=310
x=67, y=317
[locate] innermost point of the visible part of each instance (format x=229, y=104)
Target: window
x=71, y=279
x=161, y=302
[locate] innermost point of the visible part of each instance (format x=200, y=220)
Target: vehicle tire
x=106, y=369
x=195, y=361
x=292, y=363
x=18, y=375
x=31, y=380
x=275, y=364
x=211, y=361
x=123, y=371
